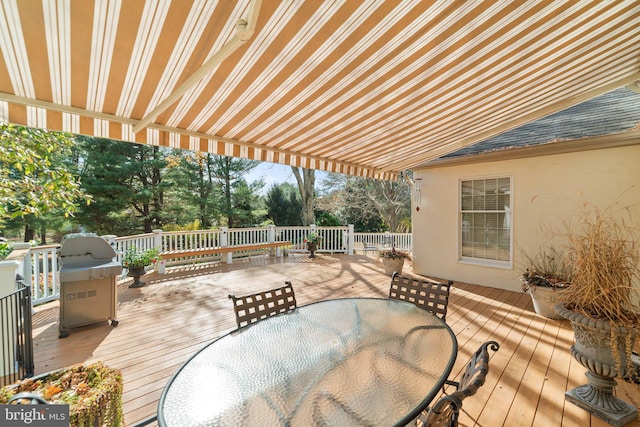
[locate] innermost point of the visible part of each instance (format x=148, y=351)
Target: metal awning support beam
x=244, y=32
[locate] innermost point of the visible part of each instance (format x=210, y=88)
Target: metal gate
x=16, y=357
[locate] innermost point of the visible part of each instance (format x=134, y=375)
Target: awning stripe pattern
x=364, y=87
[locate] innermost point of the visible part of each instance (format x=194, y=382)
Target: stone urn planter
x=136, y=260
x=311, y=242
x=136, y=273
x=312, y=247
x=593, y=350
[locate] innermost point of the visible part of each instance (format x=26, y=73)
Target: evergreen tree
x=284, y=205
x=245, y=203
x=191, y=179
x=229, y=172
x=125, y=180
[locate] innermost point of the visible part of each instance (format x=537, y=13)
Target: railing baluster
x=44, y=262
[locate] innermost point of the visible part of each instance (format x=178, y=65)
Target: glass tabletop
x=344, y=362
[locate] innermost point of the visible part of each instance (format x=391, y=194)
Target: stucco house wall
x=548, y=192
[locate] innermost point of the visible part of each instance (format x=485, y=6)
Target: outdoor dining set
x=340, y=362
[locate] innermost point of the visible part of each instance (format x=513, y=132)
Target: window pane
x=491, y=194
x=467, y=188
x=504, y=193
x=486, y=232
x=466, y=203
x=478, y=195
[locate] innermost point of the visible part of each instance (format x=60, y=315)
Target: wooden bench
x=229, y=250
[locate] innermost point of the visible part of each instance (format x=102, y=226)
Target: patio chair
x=368, y=246
x=446, y=410
x=427, y=294
x=254, y=307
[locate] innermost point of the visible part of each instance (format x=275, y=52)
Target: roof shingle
x=615, y=111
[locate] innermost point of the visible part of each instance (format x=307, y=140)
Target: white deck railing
x=45, y=264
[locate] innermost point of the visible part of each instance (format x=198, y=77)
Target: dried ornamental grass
x=605, y=255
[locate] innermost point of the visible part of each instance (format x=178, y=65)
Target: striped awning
x=368, y=88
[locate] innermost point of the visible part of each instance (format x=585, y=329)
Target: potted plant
x=93, y=393
x=393, y=260
x=547, y=274
x=136, y=260
x=312, y=241
x=5, y=248
x=602, y=306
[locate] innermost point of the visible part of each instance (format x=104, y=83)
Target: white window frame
x=509, y=213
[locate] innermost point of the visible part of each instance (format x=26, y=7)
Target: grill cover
x=88, y=286
x=86, y=256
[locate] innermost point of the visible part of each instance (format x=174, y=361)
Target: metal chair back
x=254, y=307
x=427, y=294
x=446, y=410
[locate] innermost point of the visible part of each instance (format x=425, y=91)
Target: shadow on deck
x=163, y=323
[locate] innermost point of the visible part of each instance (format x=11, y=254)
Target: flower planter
x=544, y=300
x=136, y=261
x=93, y=392
x=392, y=264
x=136, y=273
x=312, y=247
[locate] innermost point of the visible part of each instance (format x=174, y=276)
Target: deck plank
x=165, y=322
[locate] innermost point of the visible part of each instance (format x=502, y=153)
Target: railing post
x=271, y=237
x=351, y=240
x=224, y=243
x=157, y=239
x=27, y=264
x=272, y=234
x=161, y=264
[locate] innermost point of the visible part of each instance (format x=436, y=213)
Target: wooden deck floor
x=174, y=315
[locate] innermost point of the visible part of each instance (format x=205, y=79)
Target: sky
x=273, y=173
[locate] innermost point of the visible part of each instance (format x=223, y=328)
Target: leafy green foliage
x=135, y=257
x=135, y=188
x=34, y=178
x=235, y=200
x=192, y=189
x=5, y=249
x=313, y=239
x=126, y=181
x=369, y=204
x=283, y=205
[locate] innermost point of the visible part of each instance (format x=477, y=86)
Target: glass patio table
x=344, y=362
